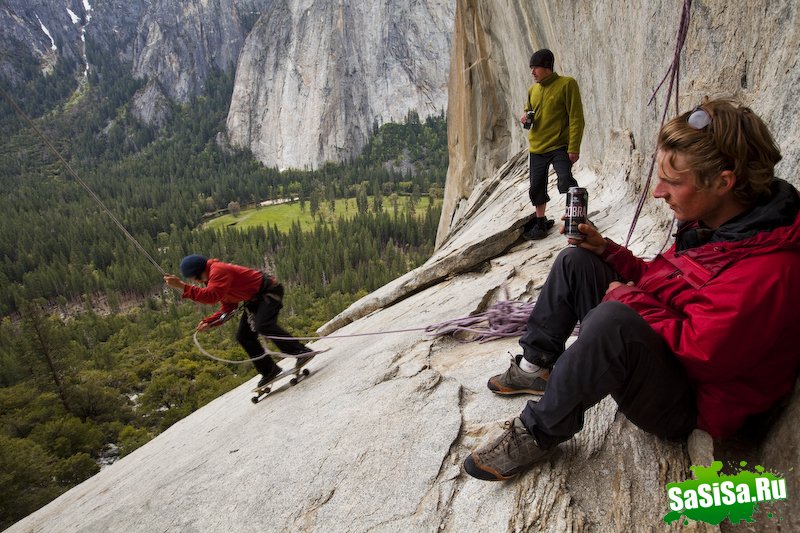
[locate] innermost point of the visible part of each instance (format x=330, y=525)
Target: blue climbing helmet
x=193, y=265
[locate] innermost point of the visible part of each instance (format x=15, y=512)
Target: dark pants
x=537, y=168
x=261, y=317
x=616, y=353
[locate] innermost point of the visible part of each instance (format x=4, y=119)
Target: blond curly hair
x=735, y=139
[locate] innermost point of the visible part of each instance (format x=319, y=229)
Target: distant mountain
x=312, y=78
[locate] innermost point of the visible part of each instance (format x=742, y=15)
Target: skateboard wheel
x=306, y=371
x=293, y=381
x=254, y=399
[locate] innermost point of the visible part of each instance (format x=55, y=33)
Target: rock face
x=179, y=43
x=151, y=106
x=374, y=439
x=316, y=77
x=44, y=32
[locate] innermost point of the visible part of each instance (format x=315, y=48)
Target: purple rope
x=503, y=319
x=674, y=82
x=506, y=318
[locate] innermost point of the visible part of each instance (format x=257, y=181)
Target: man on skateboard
x=262, y=295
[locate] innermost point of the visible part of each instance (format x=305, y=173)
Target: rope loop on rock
x=503, y=319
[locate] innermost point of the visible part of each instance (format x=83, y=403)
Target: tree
x=25, y=479
x=315, y=201
x=415, y=195
x=377, y=198
x=40, y=334
x=362, y=200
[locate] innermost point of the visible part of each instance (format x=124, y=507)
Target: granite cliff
x=304, y=96
x=374, y=439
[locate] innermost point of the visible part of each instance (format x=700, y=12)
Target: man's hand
x=174, y=281
x=203, y=326
x=573, y=157
x=593, y=241
x=614, y=284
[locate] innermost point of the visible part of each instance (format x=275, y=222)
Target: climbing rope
x=250, y=360
x=82, y=183
x=503, y=319
x=674, y=82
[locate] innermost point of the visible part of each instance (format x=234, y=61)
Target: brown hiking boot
x=511, y=453
x=517, y=381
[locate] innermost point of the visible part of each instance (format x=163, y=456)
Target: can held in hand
x=528, y=124
x=577, y=212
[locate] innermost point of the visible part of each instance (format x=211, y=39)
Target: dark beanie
x=193, y=265
x=542, y=58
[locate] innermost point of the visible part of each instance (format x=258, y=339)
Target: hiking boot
x=517, y=381
x=511, y=453
x=535, y=221
x=266, y=378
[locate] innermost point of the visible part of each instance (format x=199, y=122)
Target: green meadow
x=282, y=215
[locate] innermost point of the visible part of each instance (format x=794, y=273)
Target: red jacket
x=726, y=307
x=228, y=284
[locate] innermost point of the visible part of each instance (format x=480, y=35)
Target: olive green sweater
x=558, y=115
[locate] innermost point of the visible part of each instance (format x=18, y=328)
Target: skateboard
x=298, y=373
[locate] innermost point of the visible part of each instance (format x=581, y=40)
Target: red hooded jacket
x=227, y=284
x=725, y=301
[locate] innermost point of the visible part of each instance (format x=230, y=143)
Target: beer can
x=577, y=211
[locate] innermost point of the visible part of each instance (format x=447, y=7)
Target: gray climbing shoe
x=517, y=381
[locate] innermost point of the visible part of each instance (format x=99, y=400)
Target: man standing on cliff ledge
x=554, y=117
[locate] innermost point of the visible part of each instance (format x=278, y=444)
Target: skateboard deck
x=297, y=373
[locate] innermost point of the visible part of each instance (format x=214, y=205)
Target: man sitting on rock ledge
x=703, y=336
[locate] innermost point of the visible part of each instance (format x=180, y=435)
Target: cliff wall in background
x=179, y=43
x=316, y=77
